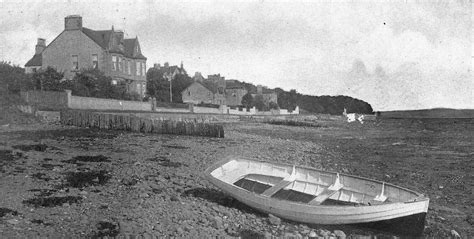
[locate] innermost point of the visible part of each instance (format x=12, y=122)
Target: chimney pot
x=73, y=22
x=40, y=46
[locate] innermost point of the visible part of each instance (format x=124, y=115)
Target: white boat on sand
x=314, y=196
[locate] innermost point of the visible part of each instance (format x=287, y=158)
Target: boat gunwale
x=420, y=196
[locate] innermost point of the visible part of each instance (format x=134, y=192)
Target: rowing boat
x=314, y=196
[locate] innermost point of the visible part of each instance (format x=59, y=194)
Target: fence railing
x=133, y=123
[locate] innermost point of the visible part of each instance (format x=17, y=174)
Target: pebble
x=324, y=233
x=217, y=222
x=13, y=221
x=174, y=198
x=180, y=231
x=455, y=234
x=274, y=220
x=340, y=234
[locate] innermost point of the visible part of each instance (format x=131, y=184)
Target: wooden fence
x=138, y=124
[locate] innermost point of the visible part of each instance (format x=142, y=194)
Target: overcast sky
x=404, y=55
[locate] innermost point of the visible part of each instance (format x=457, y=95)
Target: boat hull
x=362, y=214
x=321, y=214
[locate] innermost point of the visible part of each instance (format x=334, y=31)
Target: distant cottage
x=78, y=48
x=217, y=90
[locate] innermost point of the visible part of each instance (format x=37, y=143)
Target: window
x=75, y=62
x=138, y=68
x=143, y=69
x=128, y=68
x=120, y=63
x=114, y=63
x=95, y=61
x=189, y=92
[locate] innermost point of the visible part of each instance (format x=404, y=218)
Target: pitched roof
x=128, y=45
x=36, y=60
x=102, y=39
x=199, y=83
x=233, y=84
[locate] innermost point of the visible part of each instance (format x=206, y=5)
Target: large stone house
x=266, y=94
x=171, y=70
x=234, y=92
x=78, y=47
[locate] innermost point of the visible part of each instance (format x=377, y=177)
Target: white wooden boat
x=313, y=196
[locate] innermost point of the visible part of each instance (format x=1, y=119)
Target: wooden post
x=221, y=131
x=106, y=121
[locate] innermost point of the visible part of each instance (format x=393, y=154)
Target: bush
x=48, y=80
x=13, y=78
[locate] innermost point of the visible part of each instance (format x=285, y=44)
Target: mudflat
x=59, y=181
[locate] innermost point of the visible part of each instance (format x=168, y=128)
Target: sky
x=395, y=55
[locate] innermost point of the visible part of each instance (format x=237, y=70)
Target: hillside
x=9, y=113
x=429, y=113
x=316, y=104
x=325, y=104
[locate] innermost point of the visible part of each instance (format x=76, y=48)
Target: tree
x=94, y=83
x=247, y=101
x=48, y=80
x=272, y=105
x=13, y=78
x=159, y=87
x=260, y=103
x=180, y=82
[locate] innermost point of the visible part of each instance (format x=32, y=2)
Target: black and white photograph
x=334, y=119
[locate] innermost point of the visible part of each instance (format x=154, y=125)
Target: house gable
x=36, y=60
x=60, y=52
x=197, y=93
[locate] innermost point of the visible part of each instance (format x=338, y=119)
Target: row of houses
x=217, y=90
x=78, y=47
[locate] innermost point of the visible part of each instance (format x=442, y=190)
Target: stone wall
x=89, y=103
x=51, y=100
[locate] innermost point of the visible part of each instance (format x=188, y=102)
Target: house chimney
x=120, y=35
x=73, y=22
x=40, y=46
x=259, y=89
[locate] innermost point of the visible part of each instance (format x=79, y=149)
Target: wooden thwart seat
x=324, y=195
x=328, y=192
x=282, y=184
